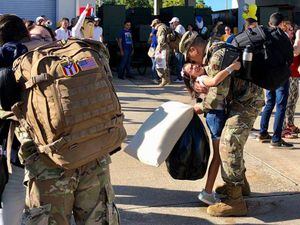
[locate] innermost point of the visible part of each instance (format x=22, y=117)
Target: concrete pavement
x=149, y=196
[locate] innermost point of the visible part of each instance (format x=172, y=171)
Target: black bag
x=272, y=56
x=189, y=157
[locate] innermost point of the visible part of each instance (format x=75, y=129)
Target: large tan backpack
x=69, y=105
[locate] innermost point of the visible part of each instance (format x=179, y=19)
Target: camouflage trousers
x=233, y=138
x=292, y=101
x=53, y=194
x=164, y=74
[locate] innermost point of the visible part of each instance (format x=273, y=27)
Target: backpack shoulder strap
x=212, y=48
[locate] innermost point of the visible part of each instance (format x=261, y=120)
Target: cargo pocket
x=40, y=167
x=36, y=216
x=113, y=216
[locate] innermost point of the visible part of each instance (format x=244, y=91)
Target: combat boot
x=221, y=190
x=234, y=205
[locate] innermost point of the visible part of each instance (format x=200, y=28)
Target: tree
x=128, y=3
x=200, y=4
x=149, y=3
x=168, y=3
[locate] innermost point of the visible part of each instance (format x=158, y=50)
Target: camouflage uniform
x=162, y=44
x=216, y=97
x=247, y=102
x=52, y=193
x=243, y=101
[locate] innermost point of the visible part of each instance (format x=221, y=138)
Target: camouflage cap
x=155, y=22
x=186, y=42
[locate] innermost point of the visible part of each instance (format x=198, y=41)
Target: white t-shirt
x=180, y=29
x=62, y=34
x=98, y=32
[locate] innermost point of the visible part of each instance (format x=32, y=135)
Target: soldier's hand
x=122, y=53
x=200, y=89
x=197, y=109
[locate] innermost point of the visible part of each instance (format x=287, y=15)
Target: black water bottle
x=247, y=61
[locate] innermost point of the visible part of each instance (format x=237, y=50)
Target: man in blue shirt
x=125, y=44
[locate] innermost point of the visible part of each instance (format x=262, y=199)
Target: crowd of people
x=82, y=26
x=230, y=105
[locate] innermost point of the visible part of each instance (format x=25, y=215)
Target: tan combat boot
x=221, y=190
x=234, y=205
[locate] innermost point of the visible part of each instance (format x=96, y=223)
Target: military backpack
x=69, y=105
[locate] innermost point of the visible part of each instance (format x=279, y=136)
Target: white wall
x=65, y=9
x=70, y=8
x=81, y=3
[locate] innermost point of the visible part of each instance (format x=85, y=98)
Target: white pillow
x=156, y=138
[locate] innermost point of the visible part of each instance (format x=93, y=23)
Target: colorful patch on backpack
x=87, y=64
x=69, y=68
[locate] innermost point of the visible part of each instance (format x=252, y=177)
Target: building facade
x=53, y=9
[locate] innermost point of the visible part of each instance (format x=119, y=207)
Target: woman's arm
x=76, y=29
x=216, y=80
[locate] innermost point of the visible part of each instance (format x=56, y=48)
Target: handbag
x=151, y=52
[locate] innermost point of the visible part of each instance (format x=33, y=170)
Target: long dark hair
x=189, y=83
x=12, y=29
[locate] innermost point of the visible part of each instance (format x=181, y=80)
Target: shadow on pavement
x=135, y=218
x=270, y=208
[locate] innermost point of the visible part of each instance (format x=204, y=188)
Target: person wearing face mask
x=39, y=35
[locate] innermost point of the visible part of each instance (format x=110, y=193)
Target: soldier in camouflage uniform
x=162, y=44
x=244, y=102
x=53, y=194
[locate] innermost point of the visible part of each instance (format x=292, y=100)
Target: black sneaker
x=264, y=138
x=281, y=144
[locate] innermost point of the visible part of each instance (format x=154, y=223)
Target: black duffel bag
x=189, y=157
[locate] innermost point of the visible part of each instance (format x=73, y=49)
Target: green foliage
x=108, y=2
x=149, y=3
x=168, y=3
x=130, y=3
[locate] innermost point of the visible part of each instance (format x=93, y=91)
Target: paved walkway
x=149, y=196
